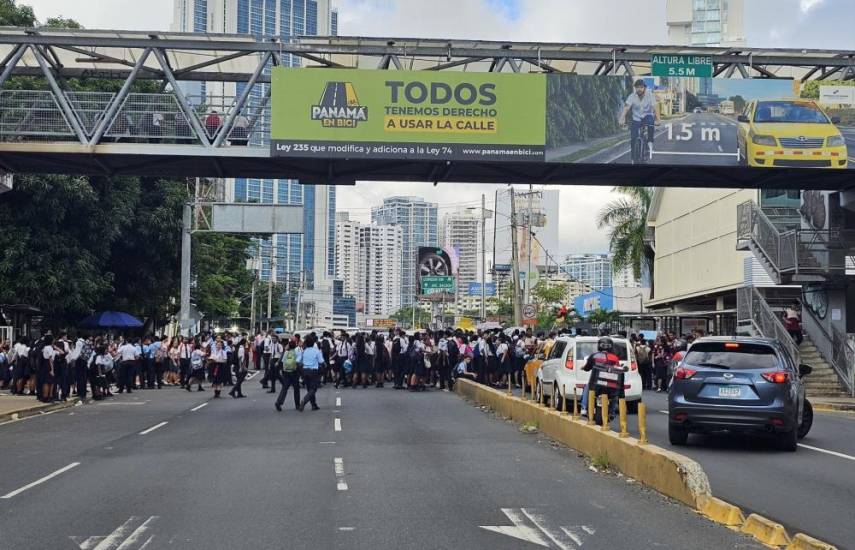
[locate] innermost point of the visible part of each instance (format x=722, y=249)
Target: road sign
x=529, y=313
x=432, y=284
x=475, y=289
x=837, y=95
x=698, y=66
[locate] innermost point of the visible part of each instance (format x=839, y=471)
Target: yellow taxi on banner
x=793, y=133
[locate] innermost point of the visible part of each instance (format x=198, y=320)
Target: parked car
x=739, y=385
x=563, y=369
x=789, y=133
x=697, y=110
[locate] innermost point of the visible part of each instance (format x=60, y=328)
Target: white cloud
x=807, y=5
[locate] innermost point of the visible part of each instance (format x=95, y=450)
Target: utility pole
x=270, y=283
x=528, y=248
x=256, y=271
x=483, y=258
x=515, y=265
x=186, y=244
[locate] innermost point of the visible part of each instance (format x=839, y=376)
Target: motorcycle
x=607, y=381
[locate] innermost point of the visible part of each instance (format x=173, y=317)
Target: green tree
x=626, y=220
x=600, y=316
x=405, y=316
x=14, y=15
x=738, y=104
x=222, y=279
x=548, y=294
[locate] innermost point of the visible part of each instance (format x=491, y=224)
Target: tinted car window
x=732, y=356
x=584, y=349
x=557, y=349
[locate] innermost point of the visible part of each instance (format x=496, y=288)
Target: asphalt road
x=811, y=490
x=699, y=139
x=849, y=135
x=397, y=470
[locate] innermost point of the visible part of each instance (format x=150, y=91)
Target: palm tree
x=626, y=218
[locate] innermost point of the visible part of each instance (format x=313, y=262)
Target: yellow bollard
x=604, y=412
x=541, y=395
x=532, y=389
x=522, y=390
x=564, y=397
x=642, y=424
x=510, y=386
x=575, y=406
x=622, y=412
x=592, y=402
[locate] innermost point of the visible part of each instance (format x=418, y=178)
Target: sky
x=825, y=24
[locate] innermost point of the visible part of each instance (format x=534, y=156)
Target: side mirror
x=742, y=118
x=804, y=370
x=835, y=120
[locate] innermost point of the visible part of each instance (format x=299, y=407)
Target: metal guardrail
x=751, y=308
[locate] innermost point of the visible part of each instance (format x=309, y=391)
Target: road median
x=672, y=474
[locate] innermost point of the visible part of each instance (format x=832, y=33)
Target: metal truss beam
x=59, y=96
x=189, y=114
x=110, y=115
x=240, y=102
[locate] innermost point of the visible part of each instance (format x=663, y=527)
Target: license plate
x=608, y=375
x=729, y=391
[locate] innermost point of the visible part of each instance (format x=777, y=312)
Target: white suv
x=563, y=369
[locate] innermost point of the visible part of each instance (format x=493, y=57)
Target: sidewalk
x=833, y=403
x=13, y=407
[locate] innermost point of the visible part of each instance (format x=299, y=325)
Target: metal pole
x=270, y=283
x=13, y=61
x=515, y=267
x=528, y=248
x=186, y=244
x=483, y=258
x=256, y=268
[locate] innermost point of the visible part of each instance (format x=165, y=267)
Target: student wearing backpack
x=289, y=376
x=645, y=365
x=311, y=361
x=398, y=356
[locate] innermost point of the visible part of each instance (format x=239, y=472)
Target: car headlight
x=835, y=141
x=768, y=141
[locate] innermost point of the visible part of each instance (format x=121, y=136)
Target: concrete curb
x=37, y=410
x=672, y=474
x=832, y=407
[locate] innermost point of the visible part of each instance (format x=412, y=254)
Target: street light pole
x=483, y=258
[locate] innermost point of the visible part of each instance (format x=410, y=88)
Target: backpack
x=453, y=352
x=476, y=351
x=413, y=353
x=326, y=348
x=396, y=347
x=289, y=361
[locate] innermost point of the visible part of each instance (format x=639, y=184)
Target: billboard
x=475, y=289
x=435, y=271
x=553, y=118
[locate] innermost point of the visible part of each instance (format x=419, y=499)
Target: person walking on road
x=276, y=352
x=266, y=352
x=127, y=356
x=311, y=359
x=219, y=357
x=241, y=368
x=289, y=376
x=197, y=369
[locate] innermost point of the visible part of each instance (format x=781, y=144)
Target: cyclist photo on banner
x=641, y=104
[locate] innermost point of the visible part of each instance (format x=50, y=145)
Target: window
x=557, y=350
x=743, y=356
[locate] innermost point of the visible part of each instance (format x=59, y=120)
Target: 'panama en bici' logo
x=339, y=107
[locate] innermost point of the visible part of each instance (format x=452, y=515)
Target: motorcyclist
x=604, y=359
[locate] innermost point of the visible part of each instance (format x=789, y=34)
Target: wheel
x=632, y=407
x=677, y=435
x=559, y=399
x=807, y=420
x=788, y=441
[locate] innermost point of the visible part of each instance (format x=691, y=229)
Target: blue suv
x=739, y=385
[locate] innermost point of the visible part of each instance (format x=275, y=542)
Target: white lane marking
x=664, y=412
x=538, y=522
x=338, y=464
x=156, y=426
x=720, y=150
x=698, y=154
x=832, y=453
x=42, y=480
x=122, y=403
x=124, y=537
x=326, y=442
x=253, y=375
x=337, y=424
x=518, y=530
x=338, y=401
x=196, y=408
x=346, y=528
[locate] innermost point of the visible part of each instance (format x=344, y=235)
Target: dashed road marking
x=156, y=426
x=197, y=407
x=664, y=412
x=337, y=424
x=338, y=401
x=347, y=528
x=41, y=480
x=338, y=464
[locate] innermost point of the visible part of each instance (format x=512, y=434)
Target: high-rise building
x=286, y=258
x=625, y=278
x=539, y=208
x=594, y=270
x=381, y=248
x=347, y=253
x=418, y=221
x=461, y=230
x=706, y=22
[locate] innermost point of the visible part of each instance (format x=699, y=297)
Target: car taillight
x=683, y=373
x=569, y=364
x=633, y=366
x=776, y=377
